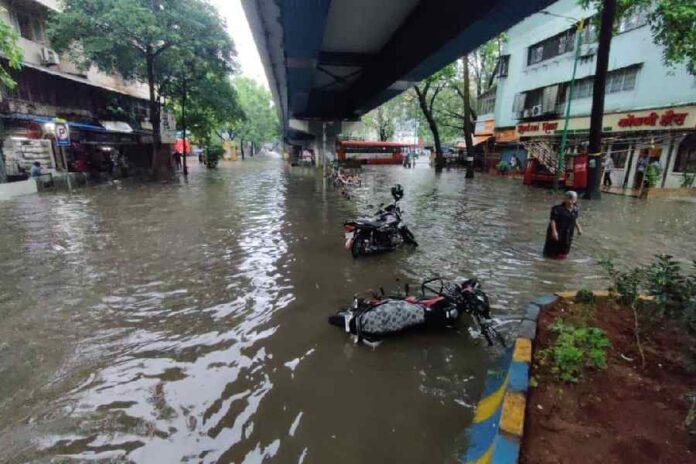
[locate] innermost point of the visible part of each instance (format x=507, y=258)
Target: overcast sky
x=238, y=28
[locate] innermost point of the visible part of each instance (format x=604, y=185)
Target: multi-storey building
x=107, y=117
x=650, y=108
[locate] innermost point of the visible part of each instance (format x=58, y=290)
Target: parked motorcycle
x=439, y=305
x=383, y=232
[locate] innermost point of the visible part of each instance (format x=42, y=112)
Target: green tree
x=673, y=25
x=427, y=92
x=260, y=124
x=11, y=53
x=136, y=38
x=383, y=119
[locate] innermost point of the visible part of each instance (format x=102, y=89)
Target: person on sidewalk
x=562, y=225
x=35, y=170
x=608, y=168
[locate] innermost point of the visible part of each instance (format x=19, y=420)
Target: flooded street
x=186, y=322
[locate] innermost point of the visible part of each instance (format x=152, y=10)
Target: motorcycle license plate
x=349, y=235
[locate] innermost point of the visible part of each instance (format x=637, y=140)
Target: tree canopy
x=12, y=53
x=260, y=123
x=143, y=40
x=673, y=24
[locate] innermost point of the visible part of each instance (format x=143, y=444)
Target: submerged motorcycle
x=385, y=231
x=439, y=305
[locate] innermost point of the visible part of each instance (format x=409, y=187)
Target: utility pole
x=594, y=167
x=564, y=138
x=183, y=123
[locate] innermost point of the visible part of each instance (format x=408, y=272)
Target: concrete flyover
x=330, y=61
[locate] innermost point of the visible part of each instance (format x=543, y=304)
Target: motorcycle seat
x=369, y=223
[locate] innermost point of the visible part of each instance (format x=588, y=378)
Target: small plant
x=652, y=175
x=664, y=280
x=688, y=179
x=575, y=350
x=584, y=296
x=625, y=284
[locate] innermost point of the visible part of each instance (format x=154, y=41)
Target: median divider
x=498, y=425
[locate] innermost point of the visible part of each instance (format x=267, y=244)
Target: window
x=619, y=153
x=30, y=28
x=634, y=20
x=553, y=46
x=591, y=32
x=617, y=81
x=686, y=157
x=503, y=65
x=487, y=103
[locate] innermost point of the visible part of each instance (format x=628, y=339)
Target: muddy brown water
x=186, y=322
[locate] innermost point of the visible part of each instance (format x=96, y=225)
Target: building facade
x=108, y=118
x=650, y=109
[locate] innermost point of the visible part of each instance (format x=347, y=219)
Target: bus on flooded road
x=371, y=152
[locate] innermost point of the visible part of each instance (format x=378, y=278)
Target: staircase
x=542, y=151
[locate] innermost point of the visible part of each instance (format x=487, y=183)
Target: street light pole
x=564, y=136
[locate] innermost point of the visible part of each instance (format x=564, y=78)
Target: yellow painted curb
x=489, y=405
x=523, y=350
x=512, y=417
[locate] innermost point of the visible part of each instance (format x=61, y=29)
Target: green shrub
x=688, y=179
x=575, y=350
x=652, y=175
x=625, y=284
x=584, y=296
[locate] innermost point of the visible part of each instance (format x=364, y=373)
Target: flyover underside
x=334, y=60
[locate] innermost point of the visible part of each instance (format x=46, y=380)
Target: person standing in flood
x=562, y=225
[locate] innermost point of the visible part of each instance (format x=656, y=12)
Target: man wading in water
x=564, y=221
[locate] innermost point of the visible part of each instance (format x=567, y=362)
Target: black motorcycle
x=385, y=231
x=439, y=305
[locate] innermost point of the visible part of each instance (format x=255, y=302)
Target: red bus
x=371, y=152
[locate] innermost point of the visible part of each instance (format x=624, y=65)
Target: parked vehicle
x=439, y=306
x=383, y=232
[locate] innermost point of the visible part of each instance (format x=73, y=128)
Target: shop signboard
x=675, y=118
x=62, y=133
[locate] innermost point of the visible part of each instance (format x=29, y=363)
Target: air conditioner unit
x=49, y=56
x=536, y=110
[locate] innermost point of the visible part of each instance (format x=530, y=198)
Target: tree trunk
x=241, y=148
x=154, y=111
x=600, y=79
x=467, y=122
x=3, y=172
x=183, y=125
x=432, y=124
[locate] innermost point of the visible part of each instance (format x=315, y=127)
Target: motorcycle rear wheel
x=358, y=246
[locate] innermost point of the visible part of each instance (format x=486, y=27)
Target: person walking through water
x=562, y=225
x=608, y=167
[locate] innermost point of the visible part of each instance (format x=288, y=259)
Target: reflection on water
x=186, y=322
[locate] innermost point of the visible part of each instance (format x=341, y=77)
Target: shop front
x=662, y=137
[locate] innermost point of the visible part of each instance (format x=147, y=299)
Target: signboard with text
x=677, y=118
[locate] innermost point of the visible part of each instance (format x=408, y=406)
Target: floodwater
x=186, y=321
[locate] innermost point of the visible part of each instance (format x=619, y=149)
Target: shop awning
x=117, y=126
x=476, y=140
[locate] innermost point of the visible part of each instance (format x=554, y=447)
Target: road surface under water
x=186, y=321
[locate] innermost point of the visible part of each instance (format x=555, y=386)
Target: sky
x=238, y=28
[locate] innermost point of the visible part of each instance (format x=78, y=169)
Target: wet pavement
x=186, y=322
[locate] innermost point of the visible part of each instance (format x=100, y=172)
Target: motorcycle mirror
x=407, y=289
x=381, y=289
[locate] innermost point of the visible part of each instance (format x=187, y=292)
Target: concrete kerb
x=498, y=426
